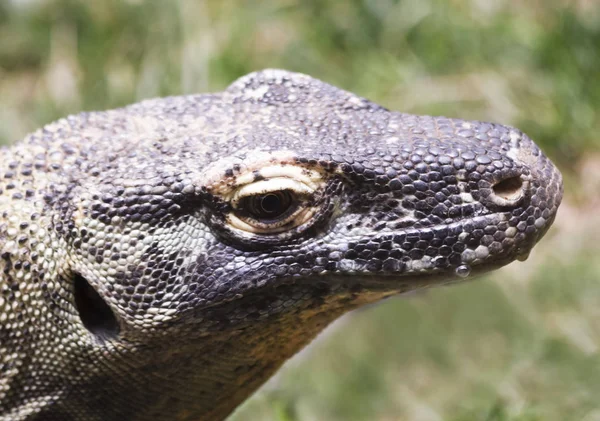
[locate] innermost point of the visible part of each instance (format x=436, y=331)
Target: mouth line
x=331, y=284
x=360, y=278
x=320, y=290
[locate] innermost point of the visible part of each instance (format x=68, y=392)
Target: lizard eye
x=272, y=206
x=270, y=203
x=268, y=206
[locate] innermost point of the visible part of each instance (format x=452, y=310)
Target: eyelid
x=270, y=186
x=309, y=177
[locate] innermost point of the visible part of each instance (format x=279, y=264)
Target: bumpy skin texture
x=139, y=281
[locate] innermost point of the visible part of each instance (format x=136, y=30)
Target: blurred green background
x=523, y=344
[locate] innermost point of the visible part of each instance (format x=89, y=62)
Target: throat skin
x=215, y=374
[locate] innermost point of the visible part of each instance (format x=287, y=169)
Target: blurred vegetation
x=522, y=346
x=532, y=64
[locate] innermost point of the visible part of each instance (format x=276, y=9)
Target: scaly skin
x=161, y=261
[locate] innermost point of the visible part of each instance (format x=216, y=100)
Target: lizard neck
x=208, y=381
x=184, y=376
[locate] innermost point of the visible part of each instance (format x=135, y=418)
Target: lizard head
x=284, y=186
x=210, y=237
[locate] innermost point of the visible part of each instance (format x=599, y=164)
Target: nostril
x=509, y=189
x=509, y=192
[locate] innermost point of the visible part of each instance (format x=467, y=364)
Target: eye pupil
x=271, y=203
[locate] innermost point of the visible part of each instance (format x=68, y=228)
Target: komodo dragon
x=162, y=260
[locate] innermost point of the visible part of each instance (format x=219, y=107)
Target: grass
x=533, y=65
x=522, y=345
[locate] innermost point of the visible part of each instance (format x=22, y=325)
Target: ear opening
x=94, y=312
